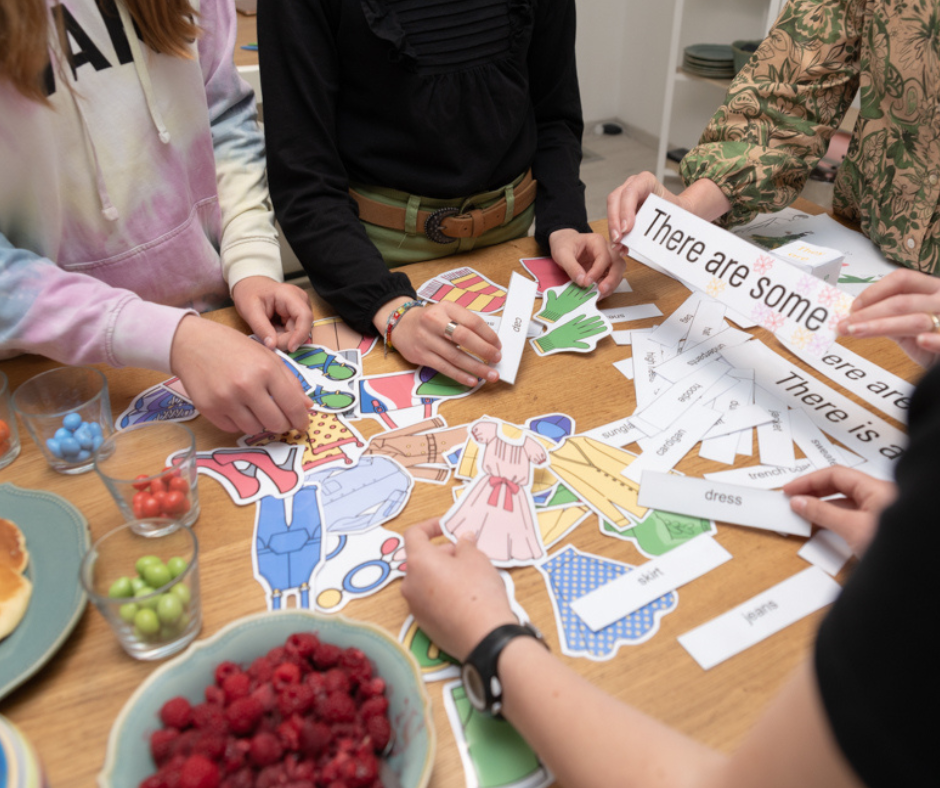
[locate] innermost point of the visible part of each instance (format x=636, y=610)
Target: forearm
x=77, y=319
x=587, y=738
x=704, y=199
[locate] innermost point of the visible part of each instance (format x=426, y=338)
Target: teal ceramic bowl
x=128, y=760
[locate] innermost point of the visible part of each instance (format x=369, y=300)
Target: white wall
x=623, y=48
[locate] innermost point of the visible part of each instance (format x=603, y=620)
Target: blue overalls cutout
x=286, y=554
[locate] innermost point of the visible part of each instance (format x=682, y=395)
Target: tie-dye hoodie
x=138, y=195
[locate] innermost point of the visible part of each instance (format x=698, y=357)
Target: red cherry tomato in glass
x=179, y=484
x=158, y=485
x=142, y=482
x=4, y=431
x=173, y=502
x=149, y=507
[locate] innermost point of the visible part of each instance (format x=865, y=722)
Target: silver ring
x=936, y=323
x=450, y=328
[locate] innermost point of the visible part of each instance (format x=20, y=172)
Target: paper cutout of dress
x=498, y=507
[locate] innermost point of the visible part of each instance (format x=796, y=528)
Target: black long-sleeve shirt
x=441, y=98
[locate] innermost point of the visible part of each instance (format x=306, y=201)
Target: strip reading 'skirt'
x=792, y=304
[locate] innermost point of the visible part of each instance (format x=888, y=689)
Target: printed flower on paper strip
x=763, y=263
x=774, y=322
x=760, y=313
x=819, y=345
x=829, y=295
x=834, y=321
x=715, y=287
x=801, y=338
x=843, y=306
x=807, y=284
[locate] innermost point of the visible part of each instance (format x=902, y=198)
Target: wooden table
x=68, y=707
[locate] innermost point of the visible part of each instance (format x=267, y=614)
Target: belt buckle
x=432, y=225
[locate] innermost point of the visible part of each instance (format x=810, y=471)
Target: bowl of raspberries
x=286, y=698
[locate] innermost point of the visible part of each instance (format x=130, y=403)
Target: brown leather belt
x=446, y=225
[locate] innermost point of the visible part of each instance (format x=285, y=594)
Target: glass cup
x=68, y=414
x=150, y=470
x=144, y=579
x=9, y=435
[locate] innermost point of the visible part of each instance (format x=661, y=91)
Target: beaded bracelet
x=393, y=321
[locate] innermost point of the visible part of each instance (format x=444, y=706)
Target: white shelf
x=676, y=74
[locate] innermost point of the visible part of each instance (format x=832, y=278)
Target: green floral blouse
x=783, y=107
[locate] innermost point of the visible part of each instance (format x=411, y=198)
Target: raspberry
x=208, y=717
x=215, y=696
x=184, y=743
x=314, y=737
x=326, y=656
x=284, y=674
x=176, y=713
x=366, y=770
x=243, y=778
x=210, y=744
x=374, y=687
x=235, y=756
x=380, y=731
x=225, y=669
x=265, y=749
x=337, y=681
x=162, y=744
x=302, y=644
x=276, y=655
x=288, y=733
x=266, y=696
x=153, y=781
x=235, y=686
x=377, y=706
x=261, y=670
x=356, y=665
x=336, y=707
x=316, y=682
x=294, y=699
x=199, y=772
x=244, y=714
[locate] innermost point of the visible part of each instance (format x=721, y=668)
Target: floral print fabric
x=783, y=107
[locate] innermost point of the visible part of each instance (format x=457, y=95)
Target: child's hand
x=277, y=312
x=421, y=338
x=587, y=258
x=236, y=383
x=454, y=592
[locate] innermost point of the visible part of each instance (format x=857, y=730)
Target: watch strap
x=484, y=660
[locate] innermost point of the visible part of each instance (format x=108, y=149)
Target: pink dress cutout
x=498, y=507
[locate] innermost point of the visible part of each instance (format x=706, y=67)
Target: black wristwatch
x=480, y=679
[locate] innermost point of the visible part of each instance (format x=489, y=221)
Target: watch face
x=473, y=685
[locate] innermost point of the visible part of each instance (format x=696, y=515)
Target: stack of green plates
x=709, y=60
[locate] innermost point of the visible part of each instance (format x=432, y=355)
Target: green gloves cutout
x=569, y=336
x=558, y=305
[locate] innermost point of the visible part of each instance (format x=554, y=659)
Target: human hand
x=568, y=336
x=854, y=517
x=235, y=382
x=454, y=592
x=559, y=305
x=703, y=198
x=904, y=306
x=277, y=312
x=587, y=258
x=420, y=338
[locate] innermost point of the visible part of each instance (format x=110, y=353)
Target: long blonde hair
x=167, y=26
